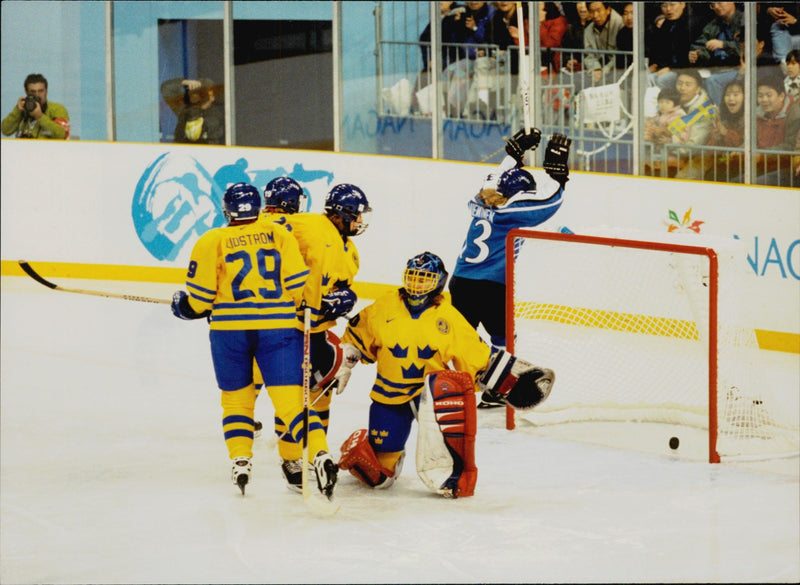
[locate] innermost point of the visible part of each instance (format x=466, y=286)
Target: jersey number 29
x=264, y=258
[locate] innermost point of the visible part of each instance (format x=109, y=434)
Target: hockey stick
x=320, y=505
x=524, y=66
x=306, y=395
x=38, y=278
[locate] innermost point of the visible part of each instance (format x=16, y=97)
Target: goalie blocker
x=516, y=382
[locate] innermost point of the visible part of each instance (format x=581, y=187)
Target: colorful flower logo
x=685, y=225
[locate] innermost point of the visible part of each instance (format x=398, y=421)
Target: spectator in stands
x=625, y=37
x=777, y=115
x=451, y=13
x=201, y=117
x=471, y=28
x=719, y=47
x=727, y=131
x=503, y=31
x=777, y=127
x=474, y=25
x=552, y=27
x=34, y=116
x=601, y=35
x=784, y=28
x=792, y=80
x=577, y=15
x=670, y=43
x=656, y=129
x=452, y=54
x=700, y=110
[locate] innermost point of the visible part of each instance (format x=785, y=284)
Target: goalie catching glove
x=556, y=157
x=516, y=382
x=521, y=142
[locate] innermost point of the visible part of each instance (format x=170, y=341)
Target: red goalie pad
x=359, y=458
x=455, y=410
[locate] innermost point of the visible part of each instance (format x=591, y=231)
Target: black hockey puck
x=674, y=442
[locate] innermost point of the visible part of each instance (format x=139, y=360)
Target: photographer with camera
x=201, y=116
x=35, y=117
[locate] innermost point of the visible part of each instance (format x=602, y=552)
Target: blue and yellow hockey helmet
x=284, y=193
x=241, y=201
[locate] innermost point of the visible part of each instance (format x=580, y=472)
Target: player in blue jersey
x=249, y=278
x=509, y=198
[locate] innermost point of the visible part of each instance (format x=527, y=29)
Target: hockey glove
x=518, y=383
x=556, y=156
x=350, y=357
x=520, y=142
x=337, y=303
x=183, y=310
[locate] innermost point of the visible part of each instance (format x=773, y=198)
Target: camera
x=30, y=103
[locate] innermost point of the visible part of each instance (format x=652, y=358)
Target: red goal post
x=589, y=306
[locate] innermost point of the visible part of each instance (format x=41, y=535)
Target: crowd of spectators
x=696, y=58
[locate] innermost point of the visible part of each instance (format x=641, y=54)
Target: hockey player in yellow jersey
x=325, y=241
x=249, y=279
x=419, y=340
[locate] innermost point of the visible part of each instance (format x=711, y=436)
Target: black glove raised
x=521, y=142
x=556, y=156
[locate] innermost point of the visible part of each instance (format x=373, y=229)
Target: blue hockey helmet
x=514, y=181
x=284, y=193
x=241, y=201
x=424, y=279
x=349, y=202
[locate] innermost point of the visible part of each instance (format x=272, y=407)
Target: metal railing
x=484, y=89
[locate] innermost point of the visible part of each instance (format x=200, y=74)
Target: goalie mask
x=285, y=193
x=515, y=181
x=349, y=202
x=424, y=279
x=241, y=201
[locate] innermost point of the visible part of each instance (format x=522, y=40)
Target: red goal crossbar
x=713, y=455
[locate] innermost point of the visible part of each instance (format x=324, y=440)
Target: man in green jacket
x=33, y=116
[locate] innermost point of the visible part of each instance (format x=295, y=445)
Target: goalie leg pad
x=359, y=458
x=518, y=383
x=446, y=437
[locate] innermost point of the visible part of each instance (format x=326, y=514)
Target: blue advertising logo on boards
x=177, y=199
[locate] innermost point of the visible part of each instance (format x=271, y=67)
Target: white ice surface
x=113, y=470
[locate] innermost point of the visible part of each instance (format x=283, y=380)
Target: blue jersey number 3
x=480, y=242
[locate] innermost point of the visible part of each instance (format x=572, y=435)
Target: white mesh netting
x=627, y=332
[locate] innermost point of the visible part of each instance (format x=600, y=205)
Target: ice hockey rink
x=114, y=470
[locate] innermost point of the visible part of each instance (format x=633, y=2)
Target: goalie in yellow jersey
x=415, y=335
x=326, y=244
x=249, y=279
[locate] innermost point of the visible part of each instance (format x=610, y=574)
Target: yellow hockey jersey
x=407, y=347
x=251, y=276
x=329, y=258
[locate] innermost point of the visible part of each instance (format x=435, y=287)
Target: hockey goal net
x=645, y=328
